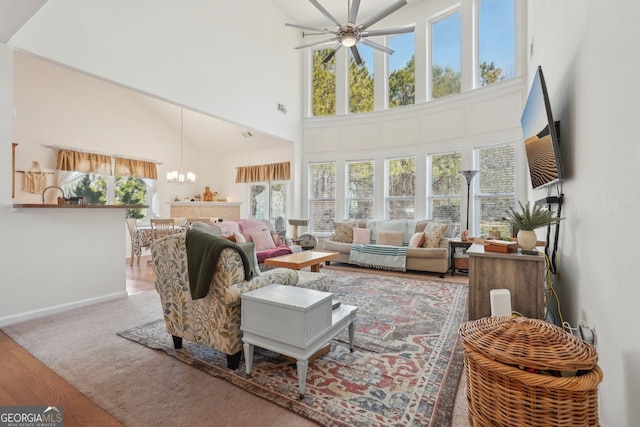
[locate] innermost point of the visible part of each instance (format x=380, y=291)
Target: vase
x=527, y=239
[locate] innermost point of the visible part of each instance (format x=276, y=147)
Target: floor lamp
x=468, y=175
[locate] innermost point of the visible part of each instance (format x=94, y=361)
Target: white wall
x=227, y=59
x=50, y=260
x=587, y=50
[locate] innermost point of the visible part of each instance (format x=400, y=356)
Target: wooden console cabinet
x=523, y=275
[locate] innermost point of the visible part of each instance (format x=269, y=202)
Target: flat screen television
x=541, y=135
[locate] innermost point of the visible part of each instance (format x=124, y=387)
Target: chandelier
x=179, y=176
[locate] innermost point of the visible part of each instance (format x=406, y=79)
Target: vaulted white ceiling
x=201, y=129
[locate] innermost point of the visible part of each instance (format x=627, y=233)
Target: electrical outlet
x=587, y=333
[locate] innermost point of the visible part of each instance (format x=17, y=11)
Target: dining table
x=143, y=236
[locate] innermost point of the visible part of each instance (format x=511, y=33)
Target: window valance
x=268, y=172
x=136, y=168
x=70, y=160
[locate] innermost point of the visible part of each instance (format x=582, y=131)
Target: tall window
x=322, y=196
x=324, y=84
x=496, y=188
x=446, y=48
x=401, y=188
x=496, y=40
x=268, y=200
x=361, y=81
x=402, y=70
x=360, y=179
x=444, y=181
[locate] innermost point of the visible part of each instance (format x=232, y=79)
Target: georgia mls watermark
x=31, y=416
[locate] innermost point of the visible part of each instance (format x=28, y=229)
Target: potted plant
x=527, y=220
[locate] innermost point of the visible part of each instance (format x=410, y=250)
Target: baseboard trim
x=34, y=314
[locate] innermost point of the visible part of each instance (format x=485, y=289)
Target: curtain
x=261, y=173
x=84, y=162
x=136, y=168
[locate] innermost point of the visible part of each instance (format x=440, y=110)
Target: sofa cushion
x=343, y=232
x=362, y=236
x=263, y=240
x=434, y=231
x=228, y=227
x=207, y=228
x=417, y=240
x=392, y=238
x=246, y=226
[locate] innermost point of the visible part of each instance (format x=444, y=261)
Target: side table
x=293, y=321
x=453, y=244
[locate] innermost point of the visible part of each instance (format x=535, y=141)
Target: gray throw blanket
x=203, y=252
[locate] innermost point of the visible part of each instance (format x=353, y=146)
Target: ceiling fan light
x=348, y=40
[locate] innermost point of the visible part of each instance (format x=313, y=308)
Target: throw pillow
x=362, y=236
x=207, y=228
x=343, y=232
x=249, y=250
x=391, y=238
x=239, y=238
x=230, y=237
x=433, y=233
x=417, y=240
x=263, y=240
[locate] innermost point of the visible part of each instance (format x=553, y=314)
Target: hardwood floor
x=27, y=381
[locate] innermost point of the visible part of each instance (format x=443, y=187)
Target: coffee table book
x=503, y=246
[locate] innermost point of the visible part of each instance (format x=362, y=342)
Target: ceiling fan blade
x=356, y=55
x=333, y=52
x=377, y=46
x=353, y=13
x=325, y=13
x=315, y=43
x=375, y=18
x=305, y=27
x=387, y=32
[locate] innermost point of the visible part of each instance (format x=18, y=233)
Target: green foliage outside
x=324, y=84
x=360, y=87
x=402, y=85
x=129, y=191
x=93, y=188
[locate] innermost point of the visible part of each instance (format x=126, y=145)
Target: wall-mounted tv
x=541, y=135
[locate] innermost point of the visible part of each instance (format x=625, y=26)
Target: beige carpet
x=140, y=386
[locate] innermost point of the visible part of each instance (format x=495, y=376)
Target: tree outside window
x=361, y=81
x=446, y=51
x=496, y=188
x=402, y=70
x=324, y=84
x=322, y=196
x=126, y=191
x=445, y=184
x=360, y=180
x=401, y=188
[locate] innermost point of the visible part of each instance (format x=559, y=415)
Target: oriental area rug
x=404, y=371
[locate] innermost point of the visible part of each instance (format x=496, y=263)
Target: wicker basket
x=501, y=393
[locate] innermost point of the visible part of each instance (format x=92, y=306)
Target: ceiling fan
x=350, y=34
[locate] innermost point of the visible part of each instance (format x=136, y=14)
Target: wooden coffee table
x=302, y=259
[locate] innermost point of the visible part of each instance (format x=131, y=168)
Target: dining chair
x=137, y=241
x=161, y=227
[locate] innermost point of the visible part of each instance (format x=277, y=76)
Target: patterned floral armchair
x=214, y=320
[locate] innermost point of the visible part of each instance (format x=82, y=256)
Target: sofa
x=213, y=320
x=426, y=241
x=269, y=243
